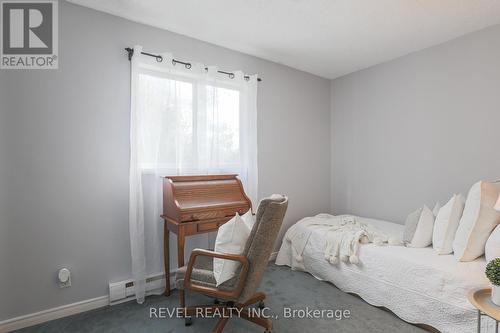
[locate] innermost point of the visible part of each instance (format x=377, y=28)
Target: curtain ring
x=159, y=58
x=231, y=75
x=188, y=65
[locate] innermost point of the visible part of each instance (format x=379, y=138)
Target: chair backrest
x=261, y=241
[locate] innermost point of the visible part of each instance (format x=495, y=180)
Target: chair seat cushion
x=203, y=274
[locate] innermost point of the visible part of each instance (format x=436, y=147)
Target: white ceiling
x=329, y=38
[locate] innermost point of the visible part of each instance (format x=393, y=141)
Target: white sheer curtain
x=183, y=121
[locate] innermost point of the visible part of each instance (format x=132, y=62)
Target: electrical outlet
x=65, y=284
x=64, y=276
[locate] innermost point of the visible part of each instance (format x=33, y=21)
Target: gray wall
x=68, y=147
x=417, y=129
x=3, y=197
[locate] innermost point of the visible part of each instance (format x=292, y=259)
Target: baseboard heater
x=124, y=290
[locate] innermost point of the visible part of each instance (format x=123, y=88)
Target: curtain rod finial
x=130, y=52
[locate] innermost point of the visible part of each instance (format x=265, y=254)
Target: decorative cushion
x=411, y=225
x=231, y=238
x=435, y=210
x=478, y=221
x=446, y=224
x=418, y=228
x=492, y=248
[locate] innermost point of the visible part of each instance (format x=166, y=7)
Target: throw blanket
x=344, y=233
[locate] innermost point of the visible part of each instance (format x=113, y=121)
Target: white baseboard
x=70, y=309
x=63, y=311
x=54, y=313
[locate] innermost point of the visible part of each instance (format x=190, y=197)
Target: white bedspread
x=416, y=284
x=343, y=235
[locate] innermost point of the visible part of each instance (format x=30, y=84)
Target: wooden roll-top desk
x=198, y=204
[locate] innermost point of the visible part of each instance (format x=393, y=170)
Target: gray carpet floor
x=284, y=288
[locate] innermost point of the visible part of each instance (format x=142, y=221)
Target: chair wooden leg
x=210, y=308
x=245, y=314
x=220, y=325
x=263, y=322
x=254, y=299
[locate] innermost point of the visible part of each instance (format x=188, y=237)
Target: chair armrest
x=213, y=291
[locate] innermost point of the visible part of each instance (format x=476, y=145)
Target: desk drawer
x=208, y=226
x=213, y=214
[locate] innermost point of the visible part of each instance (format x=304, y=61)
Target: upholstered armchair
x=242, y=290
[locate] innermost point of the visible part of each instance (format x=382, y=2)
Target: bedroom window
x=184, y=120
x=188, y=128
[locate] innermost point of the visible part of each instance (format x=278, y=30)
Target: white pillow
x=436, y=209
x=411, y=225
x=478, y=220
x=446, y=224
x=492, y=248
x=418, y=228
x=231, y=238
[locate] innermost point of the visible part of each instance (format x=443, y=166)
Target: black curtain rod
x=159, y=58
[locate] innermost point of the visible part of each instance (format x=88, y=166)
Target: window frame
x=184, y=76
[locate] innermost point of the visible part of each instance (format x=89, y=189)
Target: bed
x=416, y=284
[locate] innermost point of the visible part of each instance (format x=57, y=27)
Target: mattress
x=416, y=284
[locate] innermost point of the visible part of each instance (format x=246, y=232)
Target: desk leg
x=166, y=257
x=181, y=239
